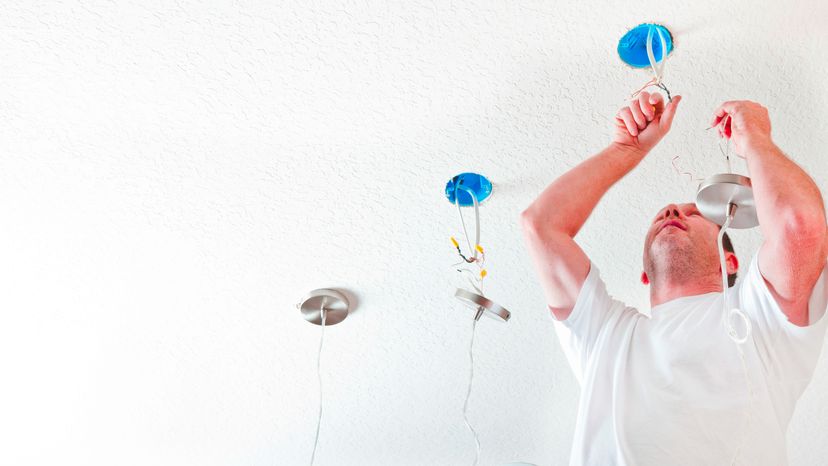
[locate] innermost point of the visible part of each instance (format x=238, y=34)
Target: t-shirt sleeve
x=593, y=310
x=788, y=352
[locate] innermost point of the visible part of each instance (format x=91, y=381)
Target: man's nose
x=671, y=210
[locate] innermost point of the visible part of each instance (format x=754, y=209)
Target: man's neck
x=661, y=293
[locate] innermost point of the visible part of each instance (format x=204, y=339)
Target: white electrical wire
x=477, y=284
x=723, y=267
x=748, y=409
x=476, y=219
x=468, y=393
x=658, y=71
x=319, y=376
x=727, y=317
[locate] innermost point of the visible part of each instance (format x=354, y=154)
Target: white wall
x=174, y=176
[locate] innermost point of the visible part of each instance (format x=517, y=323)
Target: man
x=671, y=389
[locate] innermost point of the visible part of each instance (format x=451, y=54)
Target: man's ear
x=731, y=262
x=645, y=279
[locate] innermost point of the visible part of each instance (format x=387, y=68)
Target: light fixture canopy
x=483, y=305
x=716, y=193
x=334, y=303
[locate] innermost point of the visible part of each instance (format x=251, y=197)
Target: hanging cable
x=726, y=151
x=727, y=317
x=681, y=173
x=658, y=70
x=468, y=391
x=476, y=281
x=319, y=376
x=479, y=255
x=748, y=417
x=463, y=222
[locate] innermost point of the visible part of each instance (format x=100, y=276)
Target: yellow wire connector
x=483, y=274
x=479, y=249
x=457, y=246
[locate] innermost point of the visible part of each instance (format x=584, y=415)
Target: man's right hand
x=642, y=124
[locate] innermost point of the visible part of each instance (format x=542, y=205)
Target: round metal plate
x=718, y=191
x=493, y=310
x=335, y=304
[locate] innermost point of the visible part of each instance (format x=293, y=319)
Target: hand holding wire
x=644, y=122
x=744, y=122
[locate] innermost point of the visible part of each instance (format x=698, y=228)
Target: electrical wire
x=680, y=173
x=473, y=280
x=319, y=376
x=723, y=264
x=748, y=409
x=468, y=394
x=726, y=151
x=476, y=280
x=463, y=221
x=658, y=71
x=727, y=317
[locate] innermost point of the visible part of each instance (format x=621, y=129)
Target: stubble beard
x=674, y=261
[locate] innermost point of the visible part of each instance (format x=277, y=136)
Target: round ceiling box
x=464, y=182
x=632, y=48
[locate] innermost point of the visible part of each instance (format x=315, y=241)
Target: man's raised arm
x=789, y=206
x=551, y=222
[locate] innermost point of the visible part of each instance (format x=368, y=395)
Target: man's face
x=680, y=236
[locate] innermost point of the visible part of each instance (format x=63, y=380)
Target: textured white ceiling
x=174, y=177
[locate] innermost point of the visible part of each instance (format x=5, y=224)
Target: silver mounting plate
x=491, y=308
x=719, y=191
x=335, y=304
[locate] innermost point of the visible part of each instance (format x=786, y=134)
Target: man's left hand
x=746, y=123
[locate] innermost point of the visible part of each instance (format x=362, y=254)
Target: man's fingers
x=646, y=107
x=625, y=115
x=727, y=108
x=718, y=116
x=638, y=115
x=657, y=101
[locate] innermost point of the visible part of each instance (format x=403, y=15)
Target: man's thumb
x=670, y=112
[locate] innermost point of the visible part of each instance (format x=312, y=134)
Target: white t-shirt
x=670, y=389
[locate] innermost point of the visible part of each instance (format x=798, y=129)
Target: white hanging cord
x=748, y=409
x=468, y=393
x=728, y=315
x=733, y=334
x=476, y=280
x=723, y=268
x=319, y=376
x=658, y=70
x=476, y=218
